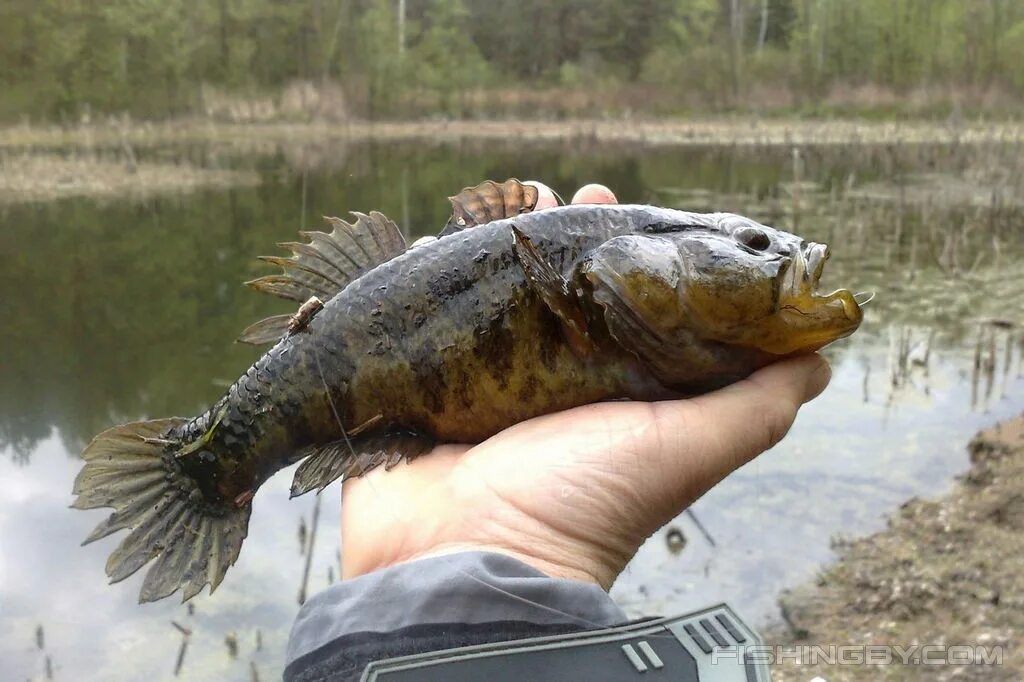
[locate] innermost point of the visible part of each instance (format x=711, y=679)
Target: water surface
x=118, y=311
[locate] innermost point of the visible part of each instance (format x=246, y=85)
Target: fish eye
x=753, y=238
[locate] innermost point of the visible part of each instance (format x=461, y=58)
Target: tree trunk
x=763, y=32
x=736, y=46
x=225, y=48
x=401, y=27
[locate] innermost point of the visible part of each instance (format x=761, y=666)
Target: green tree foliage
x=447, y=60
x=63, y=59
x=381, y=61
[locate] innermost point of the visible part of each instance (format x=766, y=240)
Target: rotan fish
x=508, y=315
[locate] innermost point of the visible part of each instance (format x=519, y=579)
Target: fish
x=509, y=314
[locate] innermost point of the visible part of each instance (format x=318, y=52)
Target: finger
x=696, y=443
x=594, y=194
x=545, y=196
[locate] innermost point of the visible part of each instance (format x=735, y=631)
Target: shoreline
x=739, y=131
x=944, y=572
x=100, y=160
x=33, y=177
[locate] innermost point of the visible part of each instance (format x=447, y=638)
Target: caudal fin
x=131, y=469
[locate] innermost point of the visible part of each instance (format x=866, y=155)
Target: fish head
x=728, y=280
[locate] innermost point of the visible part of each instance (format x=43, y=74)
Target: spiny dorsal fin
x=325, y=265
x=329, y=261
x=489, y=201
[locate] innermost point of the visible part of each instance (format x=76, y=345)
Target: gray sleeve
x=470, y=587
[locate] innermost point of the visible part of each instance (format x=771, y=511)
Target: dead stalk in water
x=309, y=550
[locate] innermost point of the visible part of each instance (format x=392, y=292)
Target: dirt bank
x=944, y=572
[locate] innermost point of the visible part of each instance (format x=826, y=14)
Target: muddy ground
x=945, y=572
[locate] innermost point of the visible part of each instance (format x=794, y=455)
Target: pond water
x=118, y=311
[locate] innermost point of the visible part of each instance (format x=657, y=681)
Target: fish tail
x=132, y=468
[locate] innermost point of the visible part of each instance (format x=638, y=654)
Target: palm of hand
x=573, y=493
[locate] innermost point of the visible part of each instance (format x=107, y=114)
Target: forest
x=69, y=61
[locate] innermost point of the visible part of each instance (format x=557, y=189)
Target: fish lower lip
x=816, y=305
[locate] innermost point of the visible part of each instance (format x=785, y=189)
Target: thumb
x=698, y=442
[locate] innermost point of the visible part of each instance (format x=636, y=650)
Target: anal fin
x=554, y=290
x=355, y=456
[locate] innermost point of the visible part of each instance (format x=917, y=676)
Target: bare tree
x=764, y=25
x=736, y=45
x=401, y=27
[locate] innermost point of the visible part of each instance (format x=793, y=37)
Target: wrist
x=551, y=560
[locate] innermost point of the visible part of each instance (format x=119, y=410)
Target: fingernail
x=545, y=197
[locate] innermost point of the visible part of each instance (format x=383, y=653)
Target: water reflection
x=121, y=311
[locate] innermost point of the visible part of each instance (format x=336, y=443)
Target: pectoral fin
x=555, y=291
x=677, y=359
x=634, y=333
x=355, y=456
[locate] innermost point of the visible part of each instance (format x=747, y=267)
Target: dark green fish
x=508, y=315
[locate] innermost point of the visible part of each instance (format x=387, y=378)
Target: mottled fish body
x=508, y=315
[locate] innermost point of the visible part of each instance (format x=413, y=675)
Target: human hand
x=575, y=493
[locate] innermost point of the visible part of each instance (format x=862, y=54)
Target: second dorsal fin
x=489, y=201
x=325, y=264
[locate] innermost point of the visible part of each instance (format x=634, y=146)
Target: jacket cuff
x=467, y=588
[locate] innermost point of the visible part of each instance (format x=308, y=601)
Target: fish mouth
x=813, y=319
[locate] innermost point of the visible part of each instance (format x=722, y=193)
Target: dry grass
x=730, y=131
x=923, y=100
x=298, y=101
x=44, y=177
